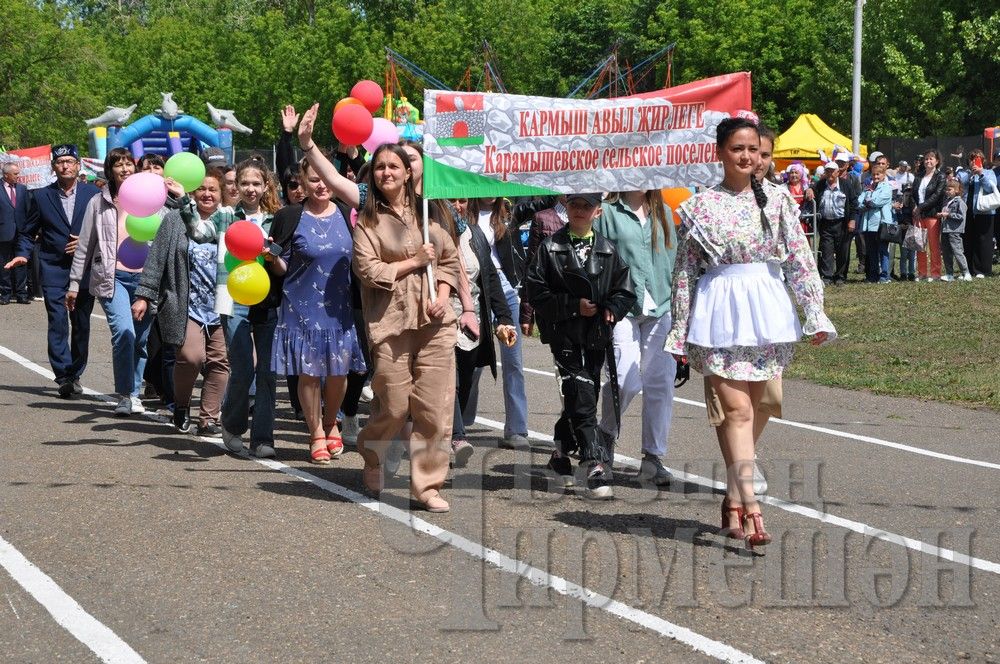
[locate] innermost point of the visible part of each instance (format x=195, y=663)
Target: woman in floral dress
x=736, y=323
x=315, y=338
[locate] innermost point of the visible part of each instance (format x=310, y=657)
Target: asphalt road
x=124, y=541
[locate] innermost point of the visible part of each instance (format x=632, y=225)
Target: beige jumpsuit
x=413, y=354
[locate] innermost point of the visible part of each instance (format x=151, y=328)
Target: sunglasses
x=292, y=184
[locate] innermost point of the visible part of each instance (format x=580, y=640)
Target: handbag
x=892, y=233
x=987, y=203
x=916, y=238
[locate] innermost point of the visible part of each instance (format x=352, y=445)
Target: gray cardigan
x=166, y=279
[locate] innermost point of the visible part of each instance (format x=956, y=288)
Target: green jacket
x=650, y=268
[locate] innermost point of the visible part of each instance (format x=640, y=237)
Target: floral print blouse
x=719, y=227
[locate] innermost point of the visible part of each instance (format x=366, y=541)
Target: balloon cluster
x=248, y=283
x=353, y=123
x=142, y=195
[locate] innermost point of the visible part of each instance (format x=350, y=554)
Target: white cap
x=832, y=164
x=842, y=156
x=873, y=157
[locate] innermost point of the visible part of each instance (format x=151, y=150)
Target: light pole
x=856, y=88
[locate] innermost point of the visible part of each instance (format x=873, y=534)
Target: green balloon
x=142, y=229
x=187, y=168
x=231, y=261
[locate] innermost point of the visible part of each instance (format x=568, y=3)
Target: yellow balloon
x=248, y=283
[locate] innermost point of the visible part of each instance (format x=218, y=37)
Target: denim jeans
x=907, y=262
x=514, y=400
x=128, y=336
x=883, y=258
x=242, y=339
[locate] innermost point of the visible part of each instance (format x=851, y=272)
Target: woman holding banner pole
x=410, y=323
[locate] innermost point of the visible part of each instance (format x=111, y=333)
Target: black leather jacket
x=933, y=195
x=557, y=302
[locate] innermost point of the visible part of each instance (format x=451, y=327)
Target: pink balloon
x=383, y=131
x=142, y=194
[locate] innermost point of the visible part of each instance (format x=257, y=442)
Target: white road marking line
x=533, y=575
x=65, y=610
x=808, y=512
x=98, y=316
x=836, y=433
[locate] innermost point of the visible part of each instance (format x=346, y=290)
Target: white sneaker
x=759, y=481
x=350, y=429
x=366, y=394
x=966, y=277
x=980, y=276
x=946, y=277
x=124, y=407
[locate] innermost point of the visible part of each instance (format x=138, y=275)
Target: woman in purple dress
x=315, y=337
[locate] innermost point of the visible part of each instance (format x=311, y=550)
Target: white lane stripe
x=808, y=512
x=839, y=434
x=65, y=610
x=533, y=575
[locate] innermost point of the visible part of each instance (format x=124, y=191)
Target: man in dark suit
x=55, y=218
x=14, y=204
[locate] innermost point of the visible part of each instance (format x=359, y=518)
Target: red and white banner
x=498, y=144
x=36, y=165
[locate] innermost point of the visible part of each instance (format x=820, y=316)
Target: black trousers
x=579, y=372
x=834, y=249
x=356, y=381
x=13, y=283
x=69, y=333
x=978, y=241
x=873, y=263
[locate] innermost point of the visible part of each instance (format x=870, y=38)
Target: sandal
x=335, y=446
x=319, y=455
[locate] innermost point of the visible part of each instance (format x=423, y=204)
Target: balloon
x=142, y=194
x=244, y=240
x=132, y=254
x=231, y=261
x=142, y=229
x=248, y=283
x=352, y=124
x=187, y=168
x=674, y=197
x=383, y=131
x=346, y=101
x=369, y=93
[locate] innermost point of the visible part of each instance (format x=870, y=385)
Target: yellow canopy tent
x=805, y=138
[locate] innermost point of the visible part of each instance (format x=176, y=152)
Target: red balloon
x=244, y=240
x=352, y=124
x=369, y=93
x=346, y=101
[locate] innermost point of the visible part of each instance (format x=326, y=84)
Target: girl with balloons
x=411, y=327
x=249, y=328
x=115, y=261
x=179, y=279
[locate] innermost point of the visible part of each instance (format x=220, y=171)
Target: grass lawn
x=929, y=340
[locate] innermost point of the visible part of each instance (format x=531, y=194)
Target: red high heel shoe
x=727, y=508
x=754, y=527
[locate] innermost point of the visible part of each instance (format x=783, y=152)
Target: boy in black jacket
x=579, y=287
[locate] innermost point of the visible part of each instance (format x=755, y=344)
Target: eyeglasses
x=65, y=162
x=292, y=184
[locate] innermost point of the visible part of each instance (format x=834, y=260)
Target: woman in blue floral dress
x=736, y=323
x=315, y=337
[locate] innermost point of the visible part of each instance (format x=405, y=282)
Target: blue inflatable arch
x=152, y=123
